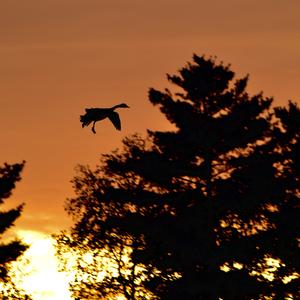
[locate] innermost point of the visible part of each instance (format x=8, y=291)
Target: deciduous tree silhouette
x=199, y=206
x=9, y=251
x=101, y=253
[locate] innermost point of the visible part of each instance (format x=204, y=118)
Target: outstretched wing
x=92, y=114
x=115, y=119
x=85, y=119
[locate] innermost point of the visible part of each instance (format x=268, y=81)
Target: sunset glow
x=39, y=274
x=60, y=57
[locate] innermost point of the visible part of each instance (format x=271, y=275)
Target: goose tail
x=85, y=120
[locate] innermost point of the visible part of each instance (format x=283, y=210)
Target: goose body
x=97, y=114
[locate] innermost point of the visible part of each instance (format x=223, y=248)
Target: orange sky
x=59, y=56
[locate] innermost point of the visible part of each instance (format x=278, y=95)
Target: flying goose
x=97, y=114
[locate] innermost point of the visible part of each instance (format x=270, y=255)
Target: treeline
x=209, y=210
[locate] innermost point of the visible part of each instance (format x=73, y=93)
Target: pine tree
x=197, y=205
x=282, y=240
x=9, y=251
x=210, y=183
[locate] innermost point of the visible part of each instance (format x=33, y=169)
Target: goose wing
x=86, y=119
x=115, y=119
x=92, y=114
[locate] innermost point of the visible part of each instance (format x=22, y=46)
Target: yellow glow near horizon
x=37, y=271
x=39, y=266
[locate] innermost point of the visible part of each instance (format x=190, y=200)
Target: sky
x=58, y=57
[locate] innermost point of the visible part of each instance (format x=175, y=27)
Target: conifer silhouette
x=9, y=251
x=201, y=206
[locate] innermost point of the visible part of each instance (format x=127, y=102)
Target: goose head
x=122, y=105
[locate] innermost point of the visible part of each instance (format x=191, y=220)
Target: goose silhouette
x=97, y=114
